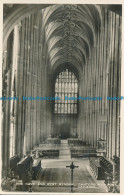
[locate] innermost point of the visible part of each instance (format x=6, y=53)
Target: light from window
x=66, y=84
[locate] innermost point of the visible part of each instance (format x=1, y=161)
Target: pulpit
x=101, y=147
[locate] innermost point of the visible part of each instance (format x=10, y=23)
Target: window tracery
x=66, y=84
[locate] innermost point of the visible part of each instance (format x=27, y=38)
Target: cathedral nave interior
x=61, y=145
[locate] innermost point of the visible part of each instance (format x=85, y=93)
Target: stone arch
x=18, y=13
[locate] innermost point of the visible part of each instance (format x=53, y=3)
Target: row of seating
x=108, y=170
x=117, y=168
x=36, y=167
x=79, y=148
x=28, y=168
x=48, y=149
x=22, y=169
x=105, y=164
x=45, y=153
x=53, y=140
x=76, y=141
x=96, y=168
x=48, y=153
x=86, y=152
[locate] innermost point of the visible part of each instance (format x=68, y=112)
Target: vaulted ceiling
x=71, y=32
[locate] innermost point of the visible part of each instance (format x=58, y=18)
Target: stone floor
x=55, y=177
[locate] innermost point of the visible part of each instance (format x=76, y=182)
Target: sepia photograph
x=61, y=98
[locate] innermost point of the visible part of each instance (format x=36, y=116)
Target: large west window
x=66, y=85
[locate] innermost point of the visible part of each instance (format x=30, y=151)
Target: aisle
x=64, y=152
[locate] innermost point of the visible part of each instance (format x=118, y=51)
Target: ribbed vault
x=71, y=32
x=41, y=41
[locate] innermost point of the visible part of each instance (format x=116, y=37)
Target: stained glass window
x=66, y=85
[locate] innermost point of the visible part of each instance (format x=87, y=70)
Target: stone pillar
x=7, y=68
